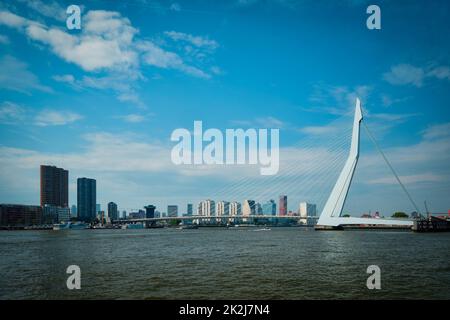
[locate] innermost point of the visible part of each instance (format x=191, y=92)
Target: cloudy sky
x=103, y=101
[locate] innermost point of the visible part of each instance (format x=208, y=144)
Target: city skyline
x=108, y=117
x=53, y=196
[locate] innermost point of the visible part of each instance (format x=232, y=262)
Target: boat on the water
x=188, y=226
x=70, y=225
x=133, y=226
x=79, y=226
x=61, y=226
x=263, y=229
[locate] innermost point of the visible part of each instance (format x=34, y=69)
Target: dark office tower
x=86, y=199
x=150, y=211
x=54, y=186
x=283, y=205
x=112, y=211
x=189, y=209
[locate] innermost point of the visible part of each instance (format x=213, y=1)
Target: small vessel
x=263, y=229
x=70, y=225
x=79, y=226
x=61, y=226
x=135, y=226
x=188, y=226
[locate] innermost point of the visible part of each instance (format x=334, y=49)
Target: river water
x=216, y=263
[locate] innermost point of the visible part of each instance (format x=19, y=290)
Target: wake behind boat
x=263, y=229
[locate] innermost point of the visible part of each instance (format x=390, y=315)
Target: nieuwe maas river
x=216, y=263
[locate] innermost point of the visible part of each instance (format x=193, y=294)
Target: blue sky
x=103, y=101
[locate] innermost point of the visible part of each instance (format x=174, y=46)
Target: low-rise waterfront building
x=18, y=215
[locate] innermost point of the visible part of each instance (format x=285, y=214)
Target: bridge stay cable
x=377, y=146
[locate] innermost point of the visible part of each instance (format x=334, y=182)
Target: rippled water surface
x=216, y=263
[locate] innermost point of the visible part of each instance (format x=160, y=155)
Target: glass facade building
x=86, y=199
x=113, y=214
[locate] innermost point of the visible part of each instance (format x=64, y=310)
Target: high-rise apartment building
x=54, y=186
x=235, y=209
x=283, y=205
x=223, y=208
x=113, y=214
x=207, y=208
x=86, y=199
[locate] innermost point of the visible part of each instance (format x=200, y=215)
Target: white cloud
x=56, y=118
x=103, y=44
x=49, y=9
x=437, y=131
x=440, y=72
x=129, y=154
x=134, y=118
x=14, y=114
x=320, y=130
x=216, y=70
x=175, y=7
x=117, y=82
x=107, y=42
x=132, y=97
x=337, y=100
x=403, y=74
x=68, y=78
x=261, y=122
x=393, y=117
x=198, y=41
x=158, y=57
x=406, y=74
x=11, y=113
x=15, y=76
x=424, y=161
x=388, y=101
x=12, y=20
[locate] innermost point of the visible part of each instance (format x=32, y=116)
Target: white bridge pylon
x=331, y=214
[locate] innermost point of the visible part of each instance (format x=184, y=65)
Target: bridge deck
x=196, y=217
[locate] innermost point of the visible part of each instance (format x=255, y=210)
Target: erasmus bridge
x=331, y=216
